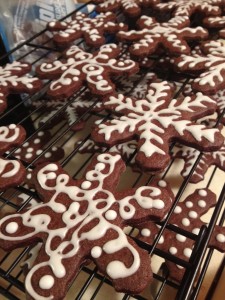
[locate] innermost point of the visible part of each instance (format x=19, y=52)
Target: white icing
x=196, y=231
x=162, y=183
x=187, y=252
x=111, y=215
x=202, y=193
x=181, y=238
x=201, y=203
x=11, y=228
x=5, y=131
x=46, y=282
x=189, y=204
x=145, y=232
x=96, y=252
x=186, y=222
x=12, y=172
x=177, y=210
x=153, y=122
x=193, y=214
x=144, y=197
x=220, y=238
x=173, y=250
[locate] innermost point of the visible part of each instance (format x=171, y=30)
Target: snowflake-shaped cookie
x=190, y=156
x=13, y=79
x=34, y=147
x=211, y=67
x=11, y=136
x=91, y=29
x=189, y=7
x=172, y=35
x=156, y=121
x=131, y=8
x=12, y=173
x=83, y=219
x=186, y=216
x=82, y=67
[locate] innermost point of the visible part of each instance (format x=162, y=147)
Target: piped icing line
x=143, y=202
x=10, y=136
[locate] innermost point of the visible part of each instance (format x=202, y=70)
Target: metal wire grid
x=10, y=272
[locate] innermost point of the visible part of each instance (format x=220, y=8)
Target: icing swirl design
x=82, y=67
x=89, y=223
x=157, y=120
x=10, y=136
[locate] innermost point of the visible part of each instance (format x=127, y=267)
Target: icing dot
x=41, y=133
x=75, y=78
x=121, y=64
x=91, y=68
x=220, y=238
x=177, y=210
x=99, y=77
x=162, y=183
x=46, y=282
x=111, y=214
x=196, y=231
x=189, y=204
x=12, y=227
x=26, y=144
x=54, y=148
x=37, y=141
x=18, y=150
x=201, y=203
x=12, y=126
x=161, y=240
x=29, y=155
x=202, y=193
x=96, y=252
x=145, y=232
x=29, y=176
x=187, y=252
x=181, y=238
x=39, y=152
x=85, y=185
x=48, y=154
x=30, y=150
x=193, y=214
x=173, y=250
x=185, y=222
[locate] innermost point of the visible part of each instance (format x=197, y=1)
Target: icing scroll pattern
x=89, y=224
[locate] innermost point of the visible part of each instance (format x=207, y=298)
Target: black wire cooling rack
x=90, y=284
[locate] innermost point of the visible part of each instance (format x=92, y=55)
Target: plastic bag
x=22, y=19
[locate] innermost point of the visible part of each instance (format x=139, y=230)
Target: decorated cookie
x=216, y=23
x=190, y=155
x=83, y=219
x=172, y=35
x=34, y=147
x=210, y=66
x=82, y=67
x=11, y=136
x=12, y=173
x=13, y=79
x=155, y=122
x=189, y=7
x=186, y=216
x=82, y=26
x=131, y=8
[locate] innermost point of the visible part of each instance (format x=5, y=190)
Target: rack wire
x=89, y=283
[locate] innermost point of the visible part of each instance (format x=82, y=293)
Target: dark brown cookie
x=11, y=136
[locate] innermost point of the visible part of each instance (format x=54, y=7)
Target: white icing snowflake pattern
x=91, y=29
x=172, y=35
x=210, y=66
x=156, y=121
x=82, y=67
x=89, y=224
x=189, y=7
x=190, y=156
x=13, y=79
x=131, y=8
